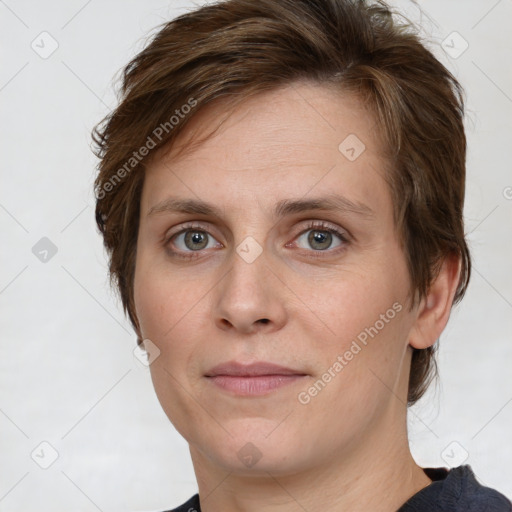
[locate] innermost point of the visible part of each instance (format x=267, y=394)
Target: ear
x=434, y=310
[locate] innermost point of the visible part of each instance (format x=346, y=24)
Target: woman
x=281, y=192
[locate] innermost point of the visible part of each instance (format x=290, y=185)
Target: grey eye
x=193, y=240
x=319, y=239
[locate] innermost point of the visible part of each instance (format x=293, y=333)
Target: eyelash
x=312, y=225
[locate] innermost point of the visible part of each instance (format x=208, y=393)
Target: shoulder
x=456, y=490
x=192, y=505
x=476, y=496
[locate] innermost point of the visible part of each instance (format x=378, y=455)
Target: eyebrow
x=332, y=202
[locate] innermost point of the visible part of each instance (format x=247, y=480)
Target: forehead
x=297, y=140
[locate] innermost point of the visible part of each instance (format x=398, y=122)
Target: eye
x=191, y=239
x=320, y=237
x=194, y=238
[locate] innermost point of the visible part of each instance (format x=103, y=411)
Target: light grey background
x=68, y=375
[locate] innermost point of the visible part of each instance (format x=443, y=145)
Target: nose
x=250, y=298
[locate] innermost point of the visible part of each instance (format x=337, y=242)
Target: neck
x=378, y=473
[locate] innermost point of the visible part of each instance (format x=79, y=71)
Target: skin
x=346, y=449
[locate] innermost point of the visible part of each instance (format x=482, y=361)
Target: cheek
x=351, y=303
x=360, y=374
x=161, y=298
x=153, y=308
x=167, y=308
x=368, y=324
x=171, y=310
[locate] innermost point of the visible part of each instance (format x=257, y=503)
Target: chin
x=256, y=447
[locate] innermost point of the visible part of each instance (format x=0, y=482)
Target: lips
x=254, y=379
x=236, y=369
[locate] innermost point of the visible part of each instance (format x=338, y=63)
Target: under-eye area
x=195, y=238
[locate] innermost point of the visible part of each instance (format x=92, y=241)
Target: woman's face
x=274, y=242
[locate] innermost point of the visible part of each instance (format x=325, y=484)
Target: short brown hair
x=236, y=48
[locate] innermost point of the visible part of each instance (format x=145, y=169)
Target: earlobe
x=434, y=309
